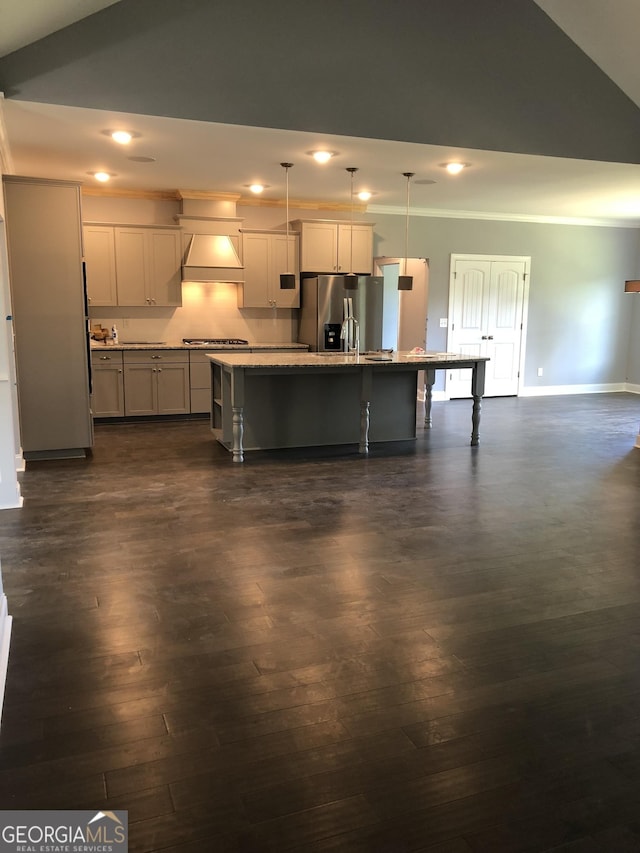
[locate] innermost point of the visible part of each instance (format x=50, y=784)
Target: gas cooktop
x=211, y=342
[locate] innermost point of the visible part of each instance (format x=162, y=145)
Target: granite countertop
x=123, y=345
x=321, y=359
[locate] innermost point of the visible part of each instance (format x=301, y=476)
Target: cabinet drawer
x=104, y=358
x=153, y=356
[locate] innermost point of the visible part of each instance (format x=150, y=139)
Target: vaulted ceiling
x=539, y=97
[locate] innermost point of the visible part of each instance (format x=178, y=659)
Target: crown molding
x=119, y=192
x=435, y=213
x=205, y=195
x=301, y=204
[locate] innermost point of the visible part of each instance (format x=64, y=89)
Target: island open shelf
x=265, y=401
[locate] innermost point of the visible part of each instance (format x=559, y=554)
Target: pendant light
x=351, y=279
x=287, y=279
x=405, y=282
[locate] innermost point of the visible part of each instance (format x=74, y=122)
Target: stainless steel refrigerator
x=325, y=303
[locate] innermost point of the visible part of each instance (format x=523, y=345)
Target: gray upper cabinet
x=100, y=259
x=148, y=266
x=335, y=246
x=266, y=254
x=133, y=265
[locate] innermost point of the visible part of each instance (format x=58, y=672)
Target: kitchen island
x=265, y=401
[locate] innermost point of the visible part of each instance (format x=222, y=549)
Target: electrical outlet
x=540, y=371
x=443, y=322
x=125, y=323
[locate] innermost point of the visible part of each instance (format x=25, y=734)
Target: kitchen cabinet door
x=164, y=259
x=362, y=252
x=173, y=389
x=156, y=382
x=107, y=397
x=100, y=260
x=132, y=266
x=148, y=266
x=140, y=390
x=319, y=247
x=265, y=258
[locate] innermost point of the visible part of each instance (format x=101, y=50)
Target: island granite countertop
x=419, y=361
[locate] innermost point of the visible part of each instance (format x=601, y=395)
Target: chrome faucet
x=345, y=335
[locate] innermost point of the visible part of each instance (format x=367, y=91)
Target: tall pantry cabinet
x=44, y=234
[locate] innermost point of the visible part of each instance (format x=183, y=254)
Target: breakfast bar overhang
x=267, y=401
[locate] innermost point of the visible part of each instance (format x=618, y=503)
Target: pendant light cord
x=352, y=170
x=286, y=167
x=408, y=176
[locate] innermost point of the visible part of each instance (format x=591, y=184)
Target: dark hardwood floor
x=432, y=649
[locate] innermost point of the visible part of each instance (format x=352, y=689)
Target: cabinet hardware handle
x=156, y=356
x=489, y=337
x=483, y=338
x=105, y=358
x=119, y=370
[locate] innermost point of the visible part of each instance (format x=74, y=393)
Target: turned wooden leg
x=428, y=392
x=238, y=431
x=477, y=390
x=430, y=378
x=475, y=420
x=364, y=427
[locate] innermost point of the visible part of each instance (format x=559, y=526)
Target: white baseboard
x=553, y=390
x=631, y=388
x=5, y=638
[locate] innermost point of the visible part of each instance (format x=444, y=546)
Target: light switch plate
x=443, y=322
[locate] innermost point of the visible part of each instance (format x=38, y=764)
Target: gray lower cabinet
x=107, y=398
x=200, y=383
x=156, y=382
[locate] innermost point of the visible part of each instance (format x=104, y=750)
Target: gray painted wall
x=579, y=319
x=632, y=306
x=486, y=74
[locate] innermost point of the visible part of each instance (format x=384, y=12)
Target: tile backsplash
x=208, y=309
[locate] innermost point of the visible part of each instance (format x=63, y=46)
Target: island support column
x=365, y=406
x=477, y=390
x=237, y=407
x=429, y=382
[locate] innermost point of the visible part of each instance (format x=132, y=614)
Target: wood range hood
x=212, y=238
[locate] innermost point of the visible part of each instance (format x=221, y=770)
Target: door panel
x=486, y=317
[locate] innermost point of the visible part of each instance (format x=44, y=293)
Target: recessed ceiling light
x=322, y=156
x=123, y=137
x=257, y=188
x=455, y=168
x=103, y=177
x=365, y=195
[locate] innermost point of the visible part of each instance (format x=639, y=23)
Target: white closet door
x=486, y=307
